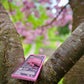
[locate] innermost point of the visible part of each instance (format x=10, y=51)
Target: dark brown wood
x=76, y=74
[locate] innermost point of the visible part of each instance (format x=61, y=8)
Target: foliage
x=29, y=16
x=63, y=30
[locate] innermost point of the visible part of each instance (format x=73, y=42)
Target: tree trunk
x=76, y=74
x=11, y=52
x=54, y=69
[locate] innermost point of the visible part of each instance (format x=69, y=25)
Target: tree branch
x=64, y=58
x=10, y=45
x=56, y=16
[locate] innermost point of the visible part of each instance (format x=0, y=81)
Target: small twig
x=56, y=16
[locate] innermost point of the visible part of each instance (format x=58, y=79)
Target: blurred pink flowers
x=58, y=43
x=10, y=0
x=41, y=50
x=30, y=30
x=56, y=33
x=70, y=27
x=46, y=42
x=12, y=12
x=36, y=13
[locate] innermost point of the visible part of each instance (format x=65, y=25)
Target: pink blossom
x=19, y=22
x=48, y=21
x=26, y=33
x=58, y=43
x=58, y=1
x=22, y=9
x=63, y=23
x=41, y=50
x=25, y=2
x=27, y=13
x=68, y=17
x=46, y=42
x=45, y=36
x=29, y=24
x=70, y=27
x=19, y=31
x=50, y=15
x=27, y=41
x=25, y=19
x=18, y=3
x=32, y=4
x=57, y=23
x=10, y=1
x=38, y=32
x=20, y=27
x=12, y=12
x=40, y=1
x=36, y=13
x=30, y=38
x=57, y=7
x=56, y=32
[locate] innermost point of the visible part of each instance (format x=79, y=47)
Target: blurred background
x=43, y=25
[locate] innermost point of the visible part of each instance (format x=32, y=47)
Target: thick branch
x=77, y=71
x=64, y=58
x=11, y=52
x=78, y=12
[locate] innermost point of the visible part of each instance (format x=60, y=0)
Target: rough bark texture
x=78, y=12
x=11, y=54
x=76, y=74
x=64, y=57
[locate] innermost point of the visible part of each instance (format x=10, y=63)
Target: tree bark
x=76, y=74
x=11, y=51
x=78, y=12
x=54, y=69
